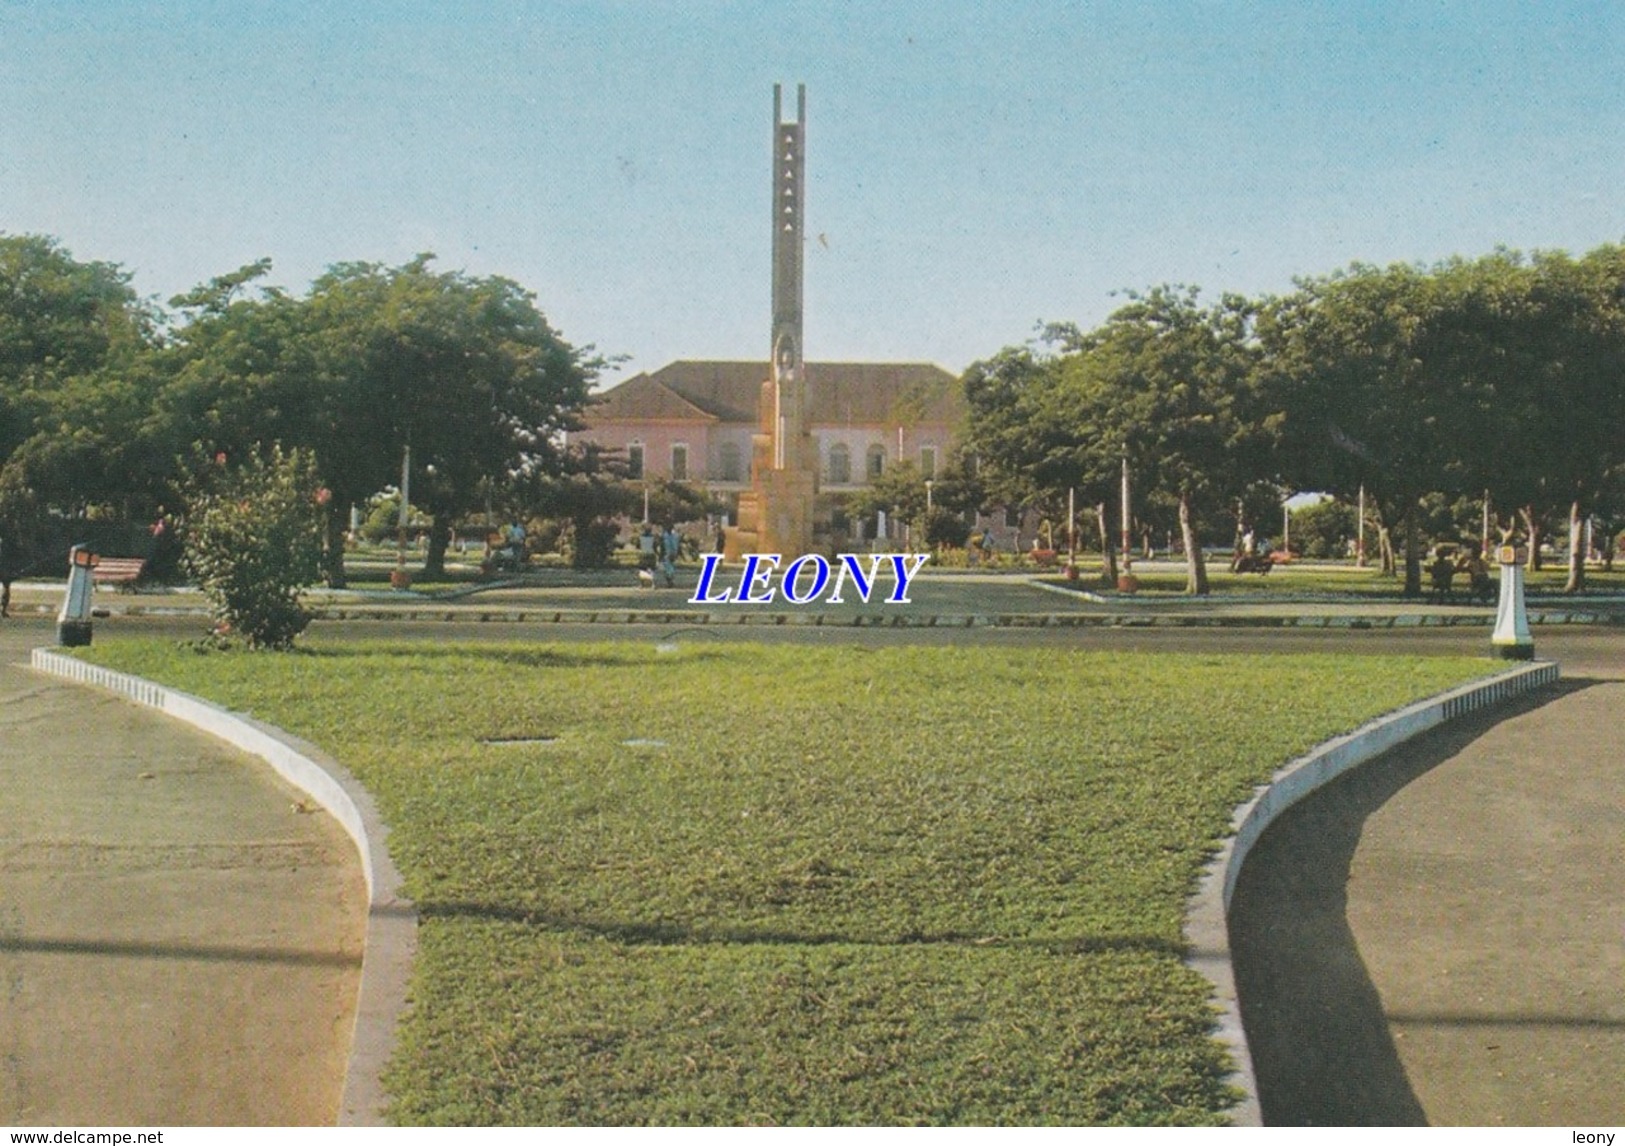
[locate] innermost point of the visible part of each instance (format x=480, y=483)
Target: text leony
x=805, y=579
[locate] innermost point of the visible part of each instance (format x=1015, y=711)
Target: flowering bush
x=254, y=542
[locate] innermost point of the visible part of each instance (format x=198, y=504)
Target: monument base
x=774, y=517
x=1515, y=652
x=72, y=634
x=736, y=542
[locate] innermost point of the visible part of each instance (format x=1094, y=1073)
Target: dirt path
x=1440, y=938
x=179, y=943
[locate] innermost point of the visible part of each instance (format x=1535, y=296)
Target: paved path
x=1440, y=937
x=179, y=944
x=936, y=598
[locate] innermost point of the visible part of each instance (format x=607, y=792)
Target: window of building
x=729, y=456
x=1012, y=516
x=928, y=462
x=875, y=463
x=679, y=461
x=840, y=464
x=634, y=460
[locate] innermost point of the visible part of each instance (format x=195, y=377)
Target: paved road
x=1440, y=937
x=179, y=945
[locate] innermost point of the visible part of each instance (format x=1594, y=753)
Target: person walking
x=670, y=546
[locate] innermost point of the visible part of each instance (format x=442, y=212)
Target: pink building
x=693, y=420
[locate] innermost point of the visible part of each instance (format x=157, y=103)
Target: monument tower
x=776, y=514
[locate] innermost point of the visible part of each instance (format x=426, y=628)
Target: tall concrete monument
x=776, y=514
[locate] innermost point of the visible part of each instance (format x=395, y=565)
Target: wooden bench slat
x=117, y=568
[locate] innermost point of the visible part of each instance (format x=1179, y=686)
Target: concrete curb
x=612, y=616
x=391, y=939
x=1132, y=613
x=1206, y=929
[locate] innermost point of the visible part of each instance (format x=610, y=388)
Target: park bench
x=122, y=572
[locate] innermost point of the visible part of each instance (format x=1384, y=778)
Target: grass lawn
x=765, y=884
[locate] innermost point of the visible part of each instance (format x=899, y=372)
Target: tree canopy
x=1502, y=375
x=105, y=400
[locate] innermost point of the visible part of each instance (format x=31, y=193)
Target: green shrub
x=944, y=527
x=594, y=543
x=1325, y=529
x=254, y=542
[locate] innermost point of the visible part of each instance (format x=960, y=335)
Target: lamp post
x=1071, y=534
x=1359, y=543
x=400, y=578
x=1127, y=543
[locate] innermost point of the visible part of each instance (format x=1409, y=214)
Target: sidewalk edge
x=1206, y=927
x=391, y=937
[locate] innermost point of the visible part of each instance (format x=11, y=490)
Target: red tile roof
x=839, y=393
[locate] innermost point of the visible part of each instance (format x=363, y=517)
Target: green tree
x=466, y=371
x=1027, y=439
x=673, y=502
x=1324, y=529
x=60, y=318
x=1169, y=385
x=588, y=489
x=1363, y=404
x=1565, y=444
x=898, y=492
x=73, y=341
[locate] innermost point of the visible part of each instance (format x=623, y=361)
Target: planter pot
x=1127, y=583
x=400, y=579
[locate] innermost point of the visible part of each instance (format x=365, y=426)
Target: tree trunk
x=1195, y=566
x=1413, y=553
x=1577, y=550
x=1108, y=554
x=333, y=526
x=1531, y=525
x=434, y=562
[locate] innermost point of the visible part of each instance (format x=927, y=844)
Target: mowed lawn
x=768, y=884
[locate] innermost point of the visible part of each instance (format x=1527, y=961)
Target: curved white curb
x=391, y=939
x=1206, y=929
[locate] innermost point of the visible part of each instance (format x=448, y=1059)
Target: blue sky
x=972, y=168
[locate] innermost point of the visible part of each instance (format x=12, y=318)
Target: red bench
x=120, y=571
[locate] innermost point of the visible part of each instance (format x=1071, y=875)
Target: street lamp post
x=400, y=578
x=1359, y=533
x=1071, y=534
x=1127, y=544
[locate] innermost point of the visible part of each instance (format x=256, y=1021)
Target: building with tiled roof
x=693, y=420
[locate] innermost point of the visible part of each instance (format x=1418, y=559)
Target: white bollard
x=1511, y=638
x=73, y=622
